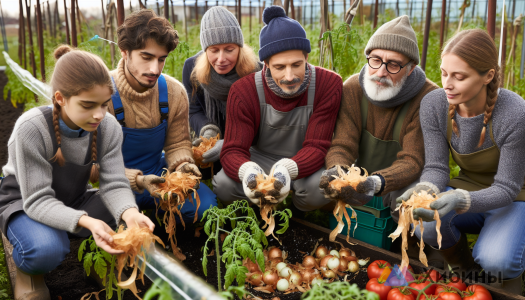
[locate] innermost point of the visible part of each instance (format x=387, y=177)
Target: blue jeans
x=501, y=243
x=207, y=197
x=37, y=248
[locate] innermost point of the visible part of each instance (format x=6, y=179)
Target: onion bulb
x=256, y=279
x=317, y=281
x=282, y=285
x=363, y=262
x=335, y=253
x=347, y=253
x=329, y=274
x=296, y=278
x=270, y=277
x=353, y=266
x=252, y=267
x=285, y=272
x=275, y=252
x=343, y=264
x=321, y=252
x=280, y=266
x=275, y=261
x=333, y=263
x=309, y=262
x=308, y=275
x=324, y=261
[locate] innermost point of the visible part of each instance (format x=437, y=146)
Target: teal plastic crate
x=371, y=230
x=375, y=207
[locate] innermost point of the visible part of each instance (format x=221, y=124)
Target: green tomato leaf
x=241, y=275
x=100, y=266
x=231, y=271
x=205, y=264
x=88, y=262
x=260, y=258
x=207, y=227
x=227, y=241
x=81, y=250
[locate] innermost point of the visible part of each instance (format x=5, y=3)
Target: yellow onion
x=275, y=261
x=353, y=266
x=309, y=262
x=270, y=277
x=308, y=275
x=296, y=278
x=343, y=264
x=285, y=272
x=274, y=253
x=324, y=261
x=282, y=285
x=329, y=274
x=252, y=267
x=333, y=263
x=347, y=254
x=255, y=278
x=335, y=253
x=321, y=252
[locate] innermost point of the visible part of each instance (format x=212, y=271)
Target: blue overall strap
x=117, y=105
x=163, y=98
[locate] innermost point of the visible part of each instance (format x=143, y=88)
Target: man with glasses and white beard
x=378, y=125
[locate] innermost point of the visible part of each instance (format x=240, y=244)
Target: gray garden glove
x=149, y=182
x=458, y=200
x=247, y=174
x=213, y=154
x=208, y=131
x=422, y=186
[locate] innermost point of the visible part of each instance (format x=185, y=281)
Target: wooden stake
x=79, y=22
x=286, y=6
x=185, y=20
x=522, y=64
x=464, y=6
x=512, y=54
x=427, y=32
x=205, y=6
x=491, y=19
x=43, y=16
x=173, y=13
x=40, y=36
x=130, y=7
x=30, y=32
x=503, y=53
x=74, y=41
x=250, y=16
x=375, y=13
x=20, y=32
x=58, y=25
x=311, y=14
x=68, y=38
x=103, y=15
x=120, y=12
x=50, y=22
x=292, y=7
x=167, y=9
x=196, y=12
x=442, y=24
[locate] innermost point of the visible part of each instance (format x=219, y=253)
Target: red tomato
x=376, y=268
x=400, y=294
x=477, y=292
x=379, y=288
x=449, y=296
x=456, y=282
x=419, y=285
x=431, y=274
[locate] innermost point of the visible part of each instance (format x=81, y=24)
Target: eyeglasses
x=391, y=67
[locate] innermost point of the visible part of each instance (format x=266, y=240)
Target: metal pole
x=73, y=25
x=40, y=35
x=427, y=32
x=250, y=16
x=120, y=12
x=491, y=19
x=68, y=39
x=167, y=9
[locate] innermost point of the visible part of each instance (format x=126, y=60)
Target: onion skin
x=343, y=265
x=324, y=261
x=309, y=262
x=321, y=252
x=353, y=266
x=333, y=263
x=270, y=277
x=345, y=253
x=256, y=279
x=274, y=253
x=296, y=278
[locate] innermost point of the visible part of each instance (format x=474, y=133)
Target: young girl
x=53, y=152
x=483, y=127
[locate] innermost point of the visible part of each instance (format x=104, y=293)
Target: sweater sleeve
x=196, y=97
x=242, y=124
x=433, y=116
x=321, y=124
x=115, y=188
x=34, y=174
x=177, y=146
x=347, y=135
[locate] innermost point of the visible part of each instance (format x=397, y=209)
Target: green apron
x=376, y=154
x=477, y=169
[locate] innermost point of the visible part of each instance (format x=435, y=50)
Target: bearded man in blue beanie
x=280, y=120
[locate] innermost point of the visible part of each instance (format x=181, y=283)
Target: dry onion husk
x=205, y=145
x=421, y=200
x=174, y=191
x=134, y=242
x=351, y=178
x=267, y=202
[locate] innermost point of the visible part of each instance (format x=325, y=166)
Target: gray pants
x=307, y=195
x=390, y=199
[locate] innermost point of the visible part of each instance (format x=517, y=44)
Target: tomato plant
x=400, y=293
x=477, y=292
x=449, y=296
x=457, y=283
x=376, y=268
x=431, y=274
x=378, y=287
x=421, y=284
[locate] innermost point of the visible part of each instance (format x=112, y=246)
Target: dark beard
x=148, y=86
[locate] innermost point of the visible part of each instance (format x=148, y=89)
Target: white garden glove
x=283, y=170
x=247, y=174
x=208, y=131
x=214, y=154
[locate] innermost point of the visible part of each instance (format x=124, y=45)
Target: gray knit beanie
x=396, y=35
x=219, y=26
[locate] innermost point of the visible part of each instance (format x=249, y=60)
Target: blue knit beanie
x=281, y=33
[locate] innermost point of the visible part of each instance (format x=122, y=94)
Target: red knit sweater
x=244, y=115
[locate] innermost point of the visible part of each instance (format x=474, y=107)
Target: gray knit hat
x=219, y=26
x=396, y=35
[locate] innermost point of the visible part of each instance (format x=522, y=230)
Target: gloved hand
x=282, y=181
x=348, y=194
x=149, y=182
x=214, y=153
x=370, y=186
x=422, y=186
x=324, y=183
x=249, y=171
x=208, y=131
x=190, y=168
x=458, y=200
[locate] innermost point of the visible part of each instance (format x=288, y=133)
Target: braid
x=59, y=157
x=95, y=168
x=492, y=96
x=452, y=113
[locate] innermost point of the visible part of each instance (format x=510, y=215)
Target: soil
x=9, y=116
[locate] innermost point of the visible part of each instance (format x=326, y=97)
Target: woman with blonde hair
x=483, y=127
x=209, y=75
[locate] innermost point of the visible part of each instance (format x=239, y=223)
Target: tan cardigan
x=141, y=111
x=380, y=123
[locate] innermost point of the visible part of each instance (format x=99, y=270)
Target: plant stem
x=218, y=256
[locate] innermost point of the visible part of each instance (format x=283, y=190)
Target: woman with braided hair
x=482, y=126
x=53, y=152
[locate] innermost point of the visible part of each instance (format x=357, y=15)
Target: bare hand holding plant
x=134, y=218
x=101, y=233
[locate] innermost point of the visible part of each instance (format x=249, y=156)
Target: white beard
x=383, y=92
